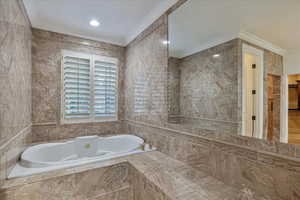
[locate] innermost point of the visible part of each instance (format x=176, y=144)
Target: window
x=89, y=88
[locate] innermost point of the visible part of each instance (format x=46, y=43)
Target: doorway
x=274, y=103
x=252, y=73
x=294, y=109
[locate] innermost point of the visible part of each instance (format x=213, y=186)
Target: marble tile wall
x=146, y=75
x=53, y=132
x=209, y=88
x=173, y=88
x=144, y=189
x=109, y=183
x=10, y=152
x=240, y=163
x=15, y=83
x=46, y=83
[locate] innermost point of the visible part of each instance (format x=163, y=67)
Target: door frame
x=284, y=108
x=260, y=108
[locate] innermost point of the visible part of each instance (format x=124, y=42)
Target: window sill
x=74, y=122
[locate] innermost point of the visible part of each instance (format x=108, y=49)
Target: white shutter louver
x=105, y=89
x=76, y=87
x=89, y=90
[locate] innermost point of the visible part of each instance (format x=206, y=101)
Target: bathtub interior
x=79, y=148
x=52, y=156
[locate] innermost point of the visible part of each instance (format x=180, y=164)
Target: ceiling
x=199, y=24
x=121, y=20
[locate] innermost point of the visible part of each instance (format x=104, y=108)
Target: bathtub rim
x=28, y=162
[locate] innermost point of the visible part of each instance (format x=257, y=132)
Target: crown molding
x=253, y=39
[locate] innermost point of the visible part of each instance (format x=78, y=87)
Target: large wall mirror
x=234, y=67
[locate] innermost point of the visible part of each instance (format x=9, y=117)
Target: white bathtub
x=82, y=150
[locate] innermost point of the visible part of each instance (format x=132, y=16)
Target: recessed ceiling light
x=216, y=55
x=166, y=42
x=94, y=23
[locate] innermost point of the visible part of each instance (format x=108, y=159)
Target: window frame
x=91, y=117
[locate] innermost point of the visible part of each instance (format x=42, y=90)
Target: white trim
x=260, y=107
x=253, y=39
x=106, y=59
x=76, y=54
x=91, y=58
x=284, y=99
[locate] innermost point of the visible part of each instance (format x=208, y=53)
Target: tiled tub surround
x=271, y=170
x=136, y=177
x=95, y=184
x=46, y=85
x=15, y=83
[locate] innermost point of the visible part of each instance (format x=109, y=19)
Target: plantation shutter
x=77, y=98
x=105, y=88
x=90, y=88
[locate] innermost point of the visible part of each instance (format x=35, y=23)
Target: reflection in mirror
x=294, y=108
x=228, y=68
x=252, y=89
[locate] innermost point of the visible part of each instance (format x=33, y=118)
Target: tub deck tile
x=150, y=175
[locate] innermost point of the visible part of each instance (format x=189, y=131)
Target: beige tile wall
x=46, y=85
x=112, y=182
x=209, y=88
x=144, y=189
x=146, y=76
x=210, y=84
x=173, y=88
x=15, y=83
x=239, y=162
